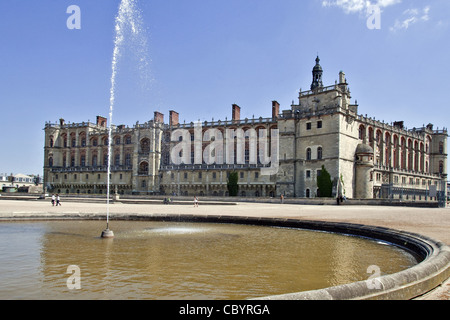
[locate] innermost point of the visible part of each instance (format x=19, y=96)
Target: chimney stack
x=159, y=117
x=173, y=118
x=236, y=113
x=102, y=122
x=275, y=109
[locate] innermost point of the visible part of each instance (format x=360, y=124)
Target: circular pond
x=174, y=260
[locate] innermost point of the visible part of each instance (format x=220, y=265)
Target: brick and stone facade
x=366, y=158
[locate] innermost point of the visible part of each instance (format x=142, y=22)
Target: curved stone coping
x=432, y=270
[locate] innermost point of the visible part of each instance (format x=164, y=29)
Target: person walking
x=195, y=201
x=53, y=200
x=58, y=200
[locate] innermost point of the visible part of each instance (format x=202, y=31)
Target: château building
x=280, y=155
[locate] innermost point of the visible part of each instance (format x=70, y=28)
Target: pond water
x=167, y=260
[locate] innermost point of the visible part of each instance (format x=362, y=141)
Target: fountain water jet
x=127, y=17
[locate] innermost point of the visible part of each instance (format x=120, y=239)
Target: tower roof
x=317, y=67
x=317, y=75
x=364, y=148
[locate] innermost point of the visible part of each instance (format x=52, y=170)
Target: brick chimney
x=275, y=109
x=173, y=118
x=102, y=122
x=159, y=117
x=236, y=113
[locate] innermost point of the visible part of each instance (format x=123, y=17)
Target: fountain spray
x=126, y=17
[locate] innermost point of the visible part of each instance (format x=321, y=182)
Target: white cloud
x=358, y=6
x=410, y=17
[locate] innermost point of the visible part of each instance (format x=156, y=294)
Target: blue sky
x=203, y=56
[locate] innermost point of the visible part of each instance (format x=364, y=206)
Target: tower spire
x=317, y=75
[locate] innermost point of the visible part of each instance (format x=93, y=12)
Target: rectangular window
x=308, y=174
x=242, y=175
x=256, y=175
x=214, y=175
x=319, y=124
x=308, y=126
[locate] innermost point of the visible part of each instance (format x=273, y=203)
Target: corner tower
x=364, y=166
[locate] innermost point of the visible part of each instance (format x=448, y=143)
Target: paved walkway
x=434, y=223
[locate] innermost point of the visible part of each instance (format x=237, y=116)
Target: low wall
x=137, y=199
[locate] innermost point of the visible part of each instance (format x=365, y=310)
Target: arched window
x=362, y=132
x=403, y=153
x=441, y=147
x=145, y=145
x=410, y=155
x=441, y=167
x=308, y=193
x=308, y=154
x=83, y=160
x=94, y=160
x=50, y=162
x=143, y=168
x=319, y=153
x=128, y=159
x=371, y=135
x=51, y=142
x=117, y=159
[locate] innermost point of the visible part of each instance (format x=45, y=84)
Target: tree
x=324, y=183
x=232, y=184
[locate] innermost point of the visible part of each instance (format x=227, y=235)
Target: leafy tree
x=232, y=184
x=324, y=183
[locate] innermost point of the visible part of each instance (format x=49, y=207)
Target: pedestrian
x=58, y=200
x=53, y=199
x=195, y=201
x=281, y=198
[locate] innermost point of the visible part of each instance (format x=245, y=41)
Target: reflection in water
x=157, y=260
